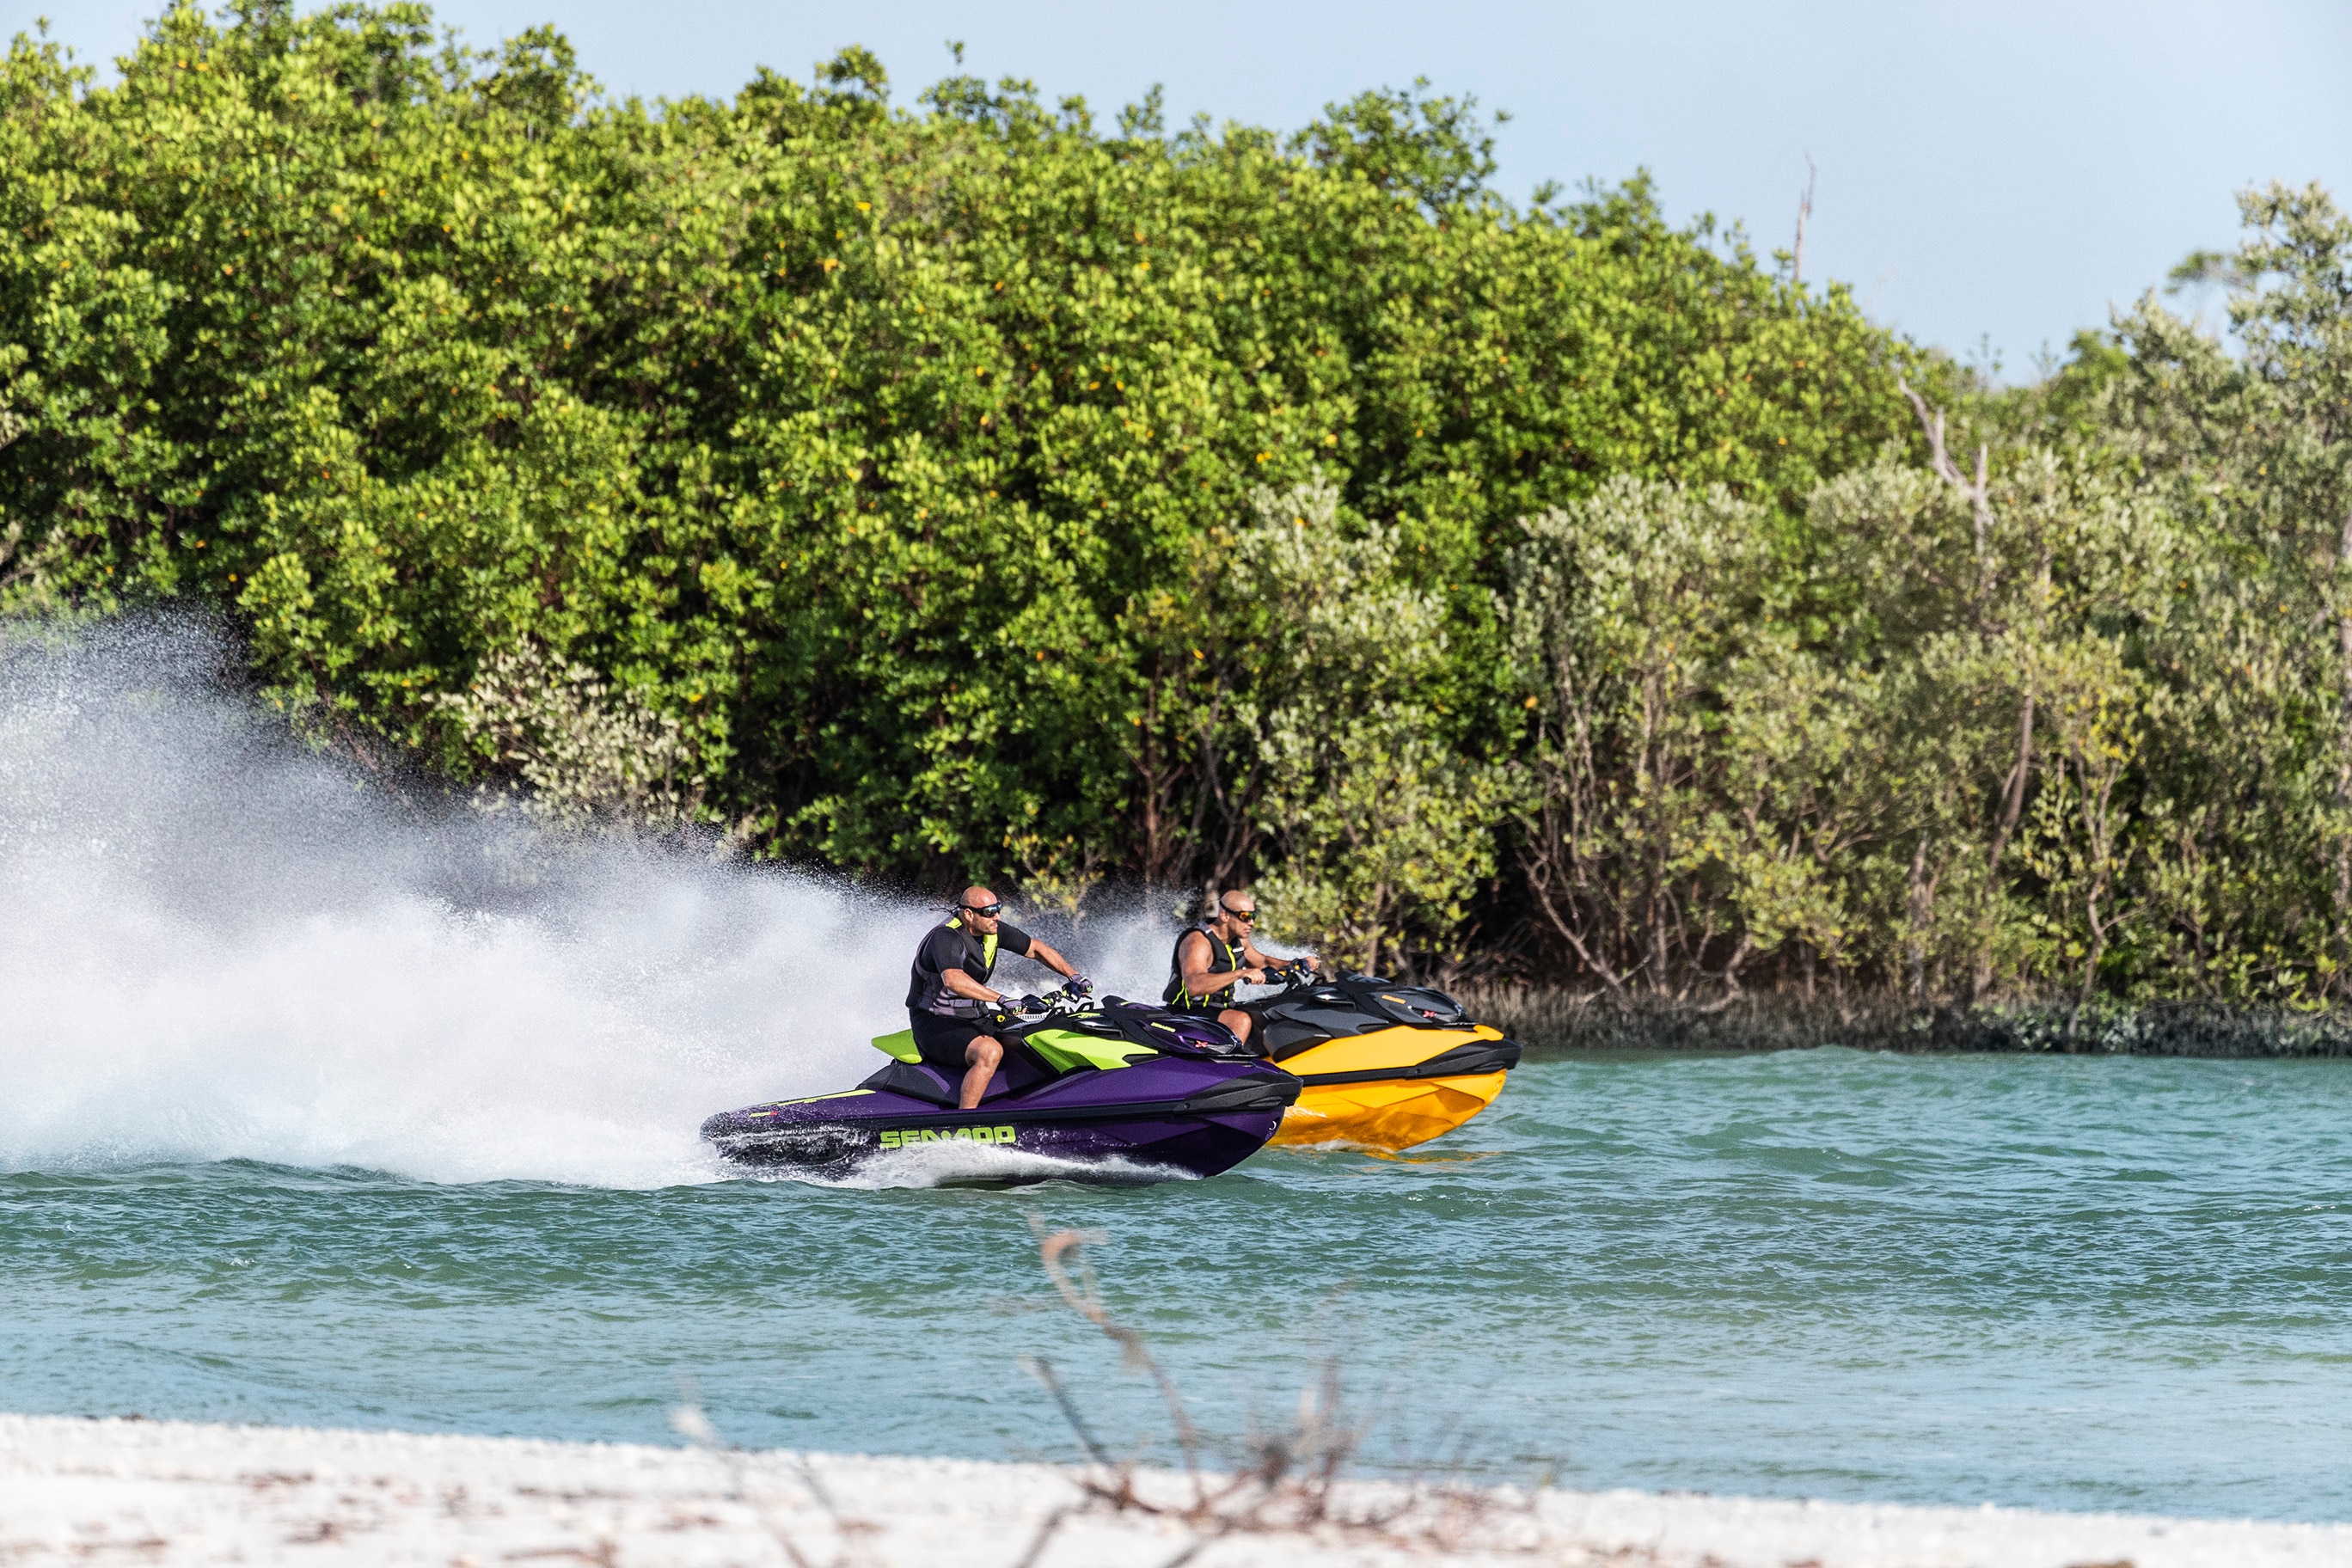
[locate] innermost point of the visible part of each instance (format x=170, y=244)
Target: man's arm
x=1046, y=955
x=1200, y=981
x=965, y=986
x=1256, y=959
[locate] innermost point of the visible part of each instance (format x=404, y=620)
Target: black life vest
x=926, y=990
x=1221, y=960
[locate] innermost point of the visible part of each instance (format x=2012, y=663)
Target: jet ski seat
x=917, y=1079
x=1087, y=1045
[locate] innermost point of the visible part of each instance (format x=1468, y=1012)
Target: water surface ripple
x=2065, y=1283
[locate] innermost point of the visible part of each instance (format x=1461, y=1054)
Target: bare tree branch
x=1088, y=1304
x=1804, y=211
x=2012, y=793
x=1978, y=494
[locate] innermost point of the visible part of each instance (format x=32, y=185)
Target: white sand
x=105, y=1491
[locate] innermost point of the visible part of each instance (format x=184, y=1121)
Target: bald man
x=949, y=988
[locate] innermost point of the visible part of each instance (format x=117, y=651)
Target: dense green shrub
x=2069, y=708
x=974, y=490
x=876, y=445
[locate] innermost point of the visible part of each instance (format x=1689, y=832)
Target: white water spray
x=215, y=945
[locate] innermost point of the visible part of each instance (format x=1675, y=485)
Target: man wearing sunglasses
x=950, y=992
x=1216, y=956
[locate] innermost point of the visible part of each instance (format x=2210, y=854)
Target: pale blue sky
x=2004, y=167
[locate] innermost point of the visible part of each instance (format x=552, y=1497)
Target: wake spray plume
x=216, y=944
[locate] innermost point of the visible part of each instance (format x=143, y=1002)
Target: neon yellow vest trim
x=987, y=946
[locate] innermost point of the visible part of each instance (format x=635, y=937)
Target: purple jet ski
x=1114, y=1090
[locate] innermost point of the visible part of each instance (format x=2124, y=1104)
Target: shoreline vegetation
x=1566, y=1020
x=970, y=489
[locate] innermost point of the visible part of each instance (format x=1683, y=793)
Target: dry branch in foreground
x=1294, y=1480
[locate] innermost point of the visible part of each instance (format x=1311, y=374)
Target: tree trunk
x=1154, y=782
x=2012, y=803
x=2098, y=826
x=1916, y=954
x=2343, y=746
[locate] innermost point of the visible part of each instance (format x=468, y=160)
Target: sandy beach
x=172, y=1492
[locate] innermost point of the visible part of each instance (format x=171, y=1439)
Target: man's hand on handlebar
x=1068, y=996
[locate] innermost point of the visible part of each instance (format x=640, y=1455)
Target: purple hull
x=1163, y=1115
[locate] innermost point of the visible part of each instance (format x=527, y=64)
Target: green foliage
x=875, y=447
x=2076, y=715
x=579, y=753
x=1434, y=149
x=1627, y=614
x=1377, y=828
x=964, y=491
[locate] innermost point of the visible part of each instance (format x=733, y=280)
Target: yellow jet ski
x=1386, y=1066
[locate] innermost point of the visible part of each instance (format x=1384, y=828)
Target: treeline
x=977, y=491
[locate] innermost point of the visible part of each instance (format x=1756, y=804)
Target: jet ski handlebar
x=1290, y=973
x=1073, y=993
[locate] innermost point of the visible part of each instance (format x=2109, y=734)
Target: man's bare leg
x=1238, y=1022
x=983, y=1054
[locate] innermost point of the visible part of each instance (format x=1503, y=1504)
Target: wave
x=218, y=943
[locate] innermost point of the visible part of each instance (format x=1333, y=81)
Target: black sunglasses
x=1250, y=915
x=986, y=911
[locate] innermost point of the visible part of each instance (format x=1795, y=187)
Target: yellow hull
x=1391, y=1116
x=1386, y=1113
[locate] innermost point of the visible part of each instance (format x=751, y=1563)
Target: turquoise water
x=2065, y=1283
x=320, y=1106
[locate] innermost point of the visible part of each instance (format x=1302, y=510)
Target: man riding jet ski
x=1122, y=1092
x=948, y=990
x=1214, y=956
x=1385, y=1066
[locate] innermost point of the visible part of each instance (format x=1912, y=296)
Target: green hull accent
x=1063, y=1049
x=1066, y=1049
